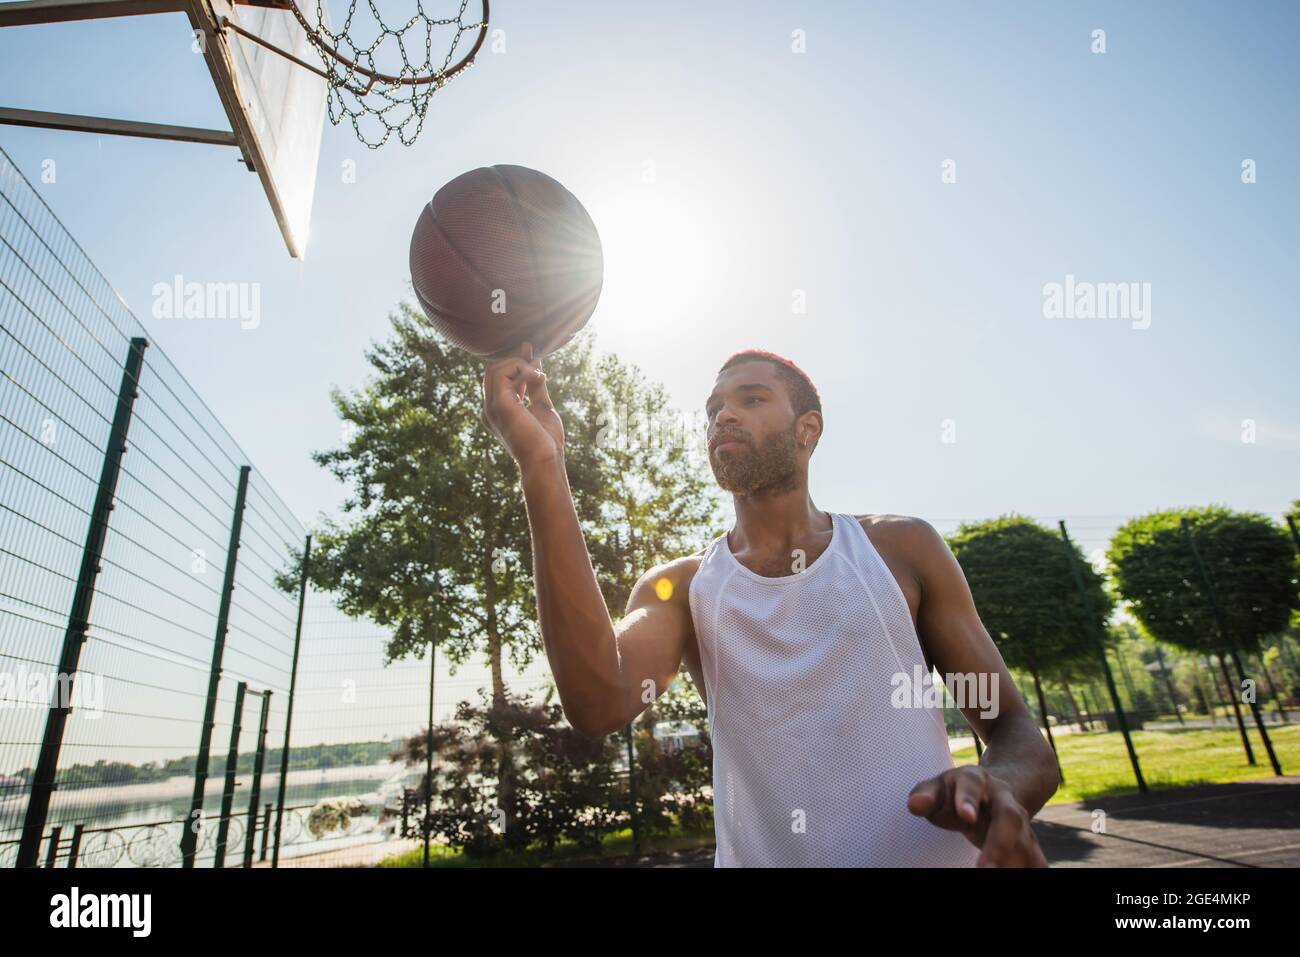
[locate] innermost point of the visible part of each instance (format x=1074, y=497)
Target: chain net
x=419, y=47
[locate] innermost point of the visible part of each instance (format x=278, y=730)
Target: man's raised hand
x=519, y=410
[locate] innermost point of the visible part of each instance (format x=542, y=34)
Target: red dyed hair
x=803, y=394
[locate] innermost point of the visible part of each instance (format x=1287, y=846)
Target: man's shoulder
x=687, y=565
x=906, y=533
x=672, y=578
x=894, y=524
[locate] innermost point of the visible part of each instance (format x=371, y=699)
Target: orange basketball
x=504, y=255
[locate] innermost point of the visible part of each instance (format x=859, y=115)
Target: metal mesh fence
x=122, y=791
x=142, y=677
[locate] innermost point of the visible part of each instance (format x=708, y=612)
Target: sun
x=664, y=254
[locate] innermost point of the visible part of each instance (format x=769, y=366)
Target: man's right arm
x=606, y=673
x=600, y=668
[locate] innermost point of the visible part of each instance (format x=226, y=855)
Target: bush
x=671, y=782
x=564, y=781
x=333, y=814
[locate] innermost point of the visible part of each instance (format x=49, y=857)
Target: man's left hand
x=984, y=808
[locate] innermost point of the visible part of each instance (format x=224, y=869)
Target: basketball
x=504, y=255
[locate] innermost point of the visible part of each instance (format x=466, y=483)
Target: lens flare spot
x=664, y=589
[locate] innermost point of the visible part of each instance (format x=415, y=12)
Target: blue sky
x=777, y=171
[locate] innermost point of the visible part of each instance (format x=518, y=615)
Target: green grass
x=1097, y=765
x=615, y=844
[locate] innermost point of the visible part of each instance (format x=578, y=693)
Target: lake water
x=139, y=825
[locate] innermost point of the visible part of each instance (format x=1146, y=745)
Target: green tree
x=1253, y=576
x=661, y=502
x=433, y=543
x=1020, y=576
x=1248, y=558
x=661, y=506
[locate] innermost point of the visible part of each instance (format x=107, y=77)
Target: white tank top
x=811, y=764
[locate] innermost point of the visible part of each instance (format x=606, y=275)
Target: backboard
x=275, y=107
x=260, y=54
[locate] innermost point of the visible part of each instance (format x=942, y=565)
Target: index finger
x=969, y=794
x=502, y=378
x=1002, y=839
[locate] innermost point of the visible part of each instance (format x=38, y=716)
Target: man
x=798, y=627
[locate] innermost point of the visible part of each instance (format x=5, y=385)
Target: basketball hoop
x=361, y=80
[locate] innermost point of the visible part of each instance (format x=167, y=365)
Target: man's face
x=750, y=406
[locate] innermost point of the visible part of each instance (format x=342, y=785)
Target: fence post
x=1124, y=673
x=631, y=789
x=1272, y=688
x=293, y=687
x=189, y=833
x=1088, y=709
x=43, y=786
x=1217, y=701
x=266, y=831
x=52, y=854
x=425, y=826
x=232, y=762
x=428, y=757
x=256, y=794
x=1105, y=665
x=1169, y=684
x=1226, y=637
x=75, y=849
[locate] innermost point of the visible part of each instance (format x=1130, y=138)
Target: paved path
x=1250, y=824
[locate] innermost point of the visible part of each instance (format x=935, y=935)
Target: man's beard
x=748, y=470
